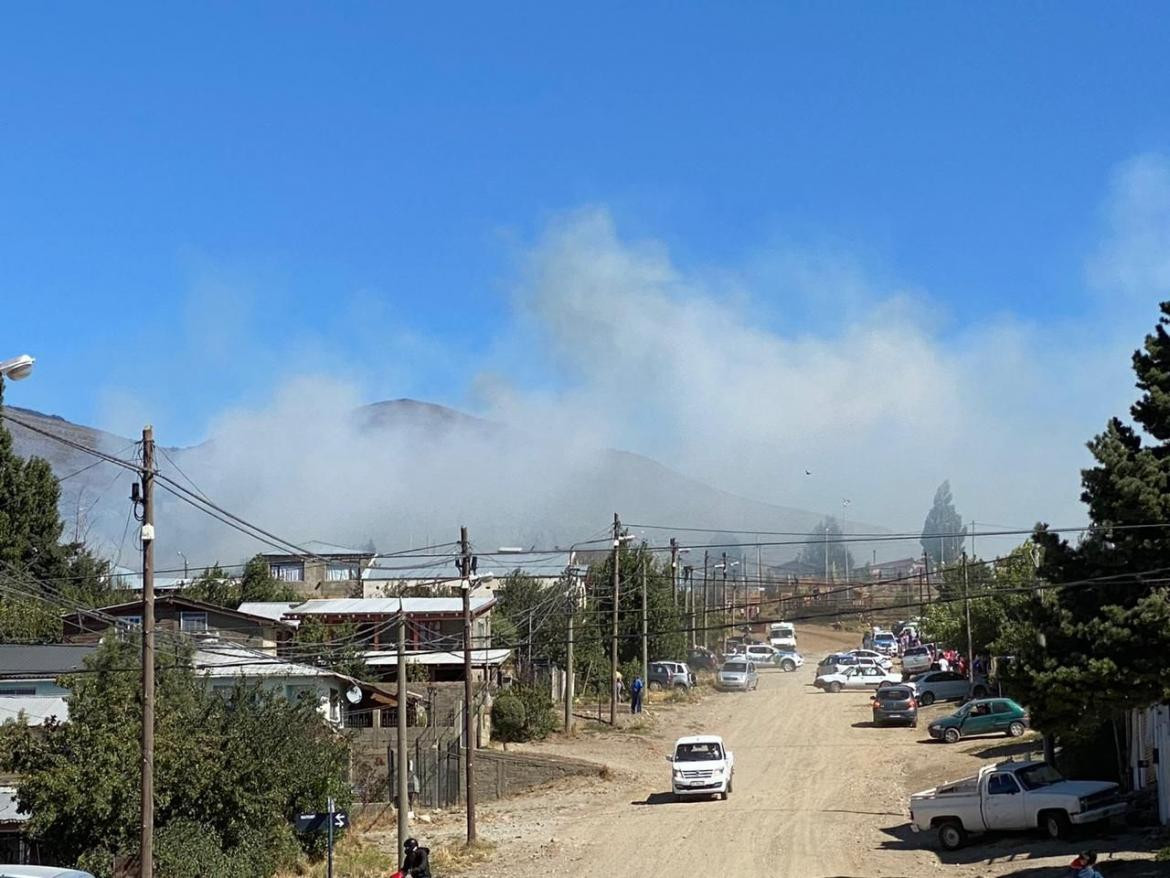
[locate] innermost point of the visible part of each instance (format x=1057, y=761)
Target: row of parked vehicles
x=1010, y=795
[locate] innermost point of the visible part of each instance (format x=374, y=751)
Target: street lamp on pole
x=17, y=368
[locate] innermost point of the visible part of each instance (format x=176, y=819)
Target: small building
x=30, y=670
x=327, y=575
x=1149, y=754
x=174, y=612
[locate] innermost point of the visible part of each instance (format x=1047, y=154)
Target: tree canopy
x=943, y=532
x=41, y=573
x=825, y=552
x=1096, y=644
x=230, y=773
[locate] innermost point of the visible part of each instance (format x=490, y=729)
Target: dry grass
x=353, y=857
x=458, y=857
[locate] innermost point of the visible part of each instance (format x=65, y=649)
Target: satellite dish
x=353, y=694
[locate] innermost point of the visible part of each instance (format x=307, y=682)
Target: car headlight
x=935, y=728
x=718, y=772
x=678, y=772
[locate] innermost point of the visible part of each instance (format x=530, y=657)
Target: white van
x=782, y=635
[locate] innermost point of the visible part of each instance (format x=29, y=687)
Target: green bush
x=508, y=716
x=523, y=713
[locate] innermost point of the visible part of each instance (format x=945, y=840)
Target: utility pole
x=706, y=558
x=613, y=640
x=468, y=695
x=146, y=844
x=645, y=625
x=970, y=636
x=402, y=763
x=723, y=608
x=827, y=577
x=674, y=570
x=569, y=681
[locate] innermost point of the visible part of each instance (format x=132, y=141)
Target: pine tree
x=1097, y=645
x=943, y=532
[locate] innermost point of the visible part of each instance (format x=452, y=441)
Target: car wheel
x=926, y=698
x=834, y=687
x=788, y=665
x=1055, y=824
x=680, y=687
x=1015, y=729
x=952, y=836
x=655, y=686
x=951, y=736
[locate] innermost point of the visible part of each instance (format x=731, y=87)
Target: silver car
x=737, y=675
x=947, y=686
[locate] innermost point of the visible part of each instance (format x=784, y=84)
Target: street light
x=17, y=368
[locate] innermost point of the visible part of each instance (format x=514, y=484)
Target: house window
x=295, y=692
x=288, y=572
x=18, y=690
x=130, y=622
x=192, y=623
x=340, y=572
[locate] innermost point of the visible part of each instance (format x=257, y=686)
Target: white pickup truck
x=702, y=766
x=1012, y=795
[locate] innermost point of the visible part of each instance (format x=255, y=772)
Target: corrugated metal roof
x=44, y=659
x=272, y=610
x=223, y=660
x=389, y=606
x=478, y=657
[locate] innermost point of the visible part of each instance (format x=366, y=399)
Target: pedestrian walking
x=636, y=695
x=619, y=688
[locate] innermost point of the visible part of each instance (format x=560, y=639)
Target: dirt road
x=818, y=794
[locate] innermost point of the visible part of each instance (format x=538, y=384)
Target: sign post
x=331, y=821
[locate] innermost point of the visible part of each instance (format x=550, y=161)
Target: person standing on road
x=619, y=688
x=636, y=695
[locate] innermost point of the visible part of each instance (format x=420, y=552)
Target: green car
x=984, y=716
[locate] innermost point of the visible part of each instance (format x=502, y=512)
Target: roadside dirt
x=818, y=794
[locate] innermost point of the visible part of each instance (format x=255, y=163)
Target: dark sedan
x=894, y=704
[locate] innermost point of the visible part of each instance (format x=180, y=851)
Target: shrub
x=508, y=716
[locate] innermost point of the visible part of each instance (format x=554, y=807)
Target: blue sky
x=199, y=202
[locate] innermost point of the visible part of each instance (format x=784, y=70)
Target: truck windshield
x=1038, y=776
x=708, y=752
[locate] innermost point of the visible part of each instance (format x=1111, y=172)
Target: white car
x=877, y=657
x=701, y=766
x=7, y=871
x=782, y=635
x=757, y=653
x=917, y=659
x=856, y=678
x=861, y=661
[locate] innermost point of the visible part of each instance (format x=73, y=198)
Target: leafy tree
x=337, y=647
x=256, y=583
x=999, y=598
x=32, y=557
x=522, y=713
x=943, y=532
x=1096, y=646
x=826, y=535
x=230, y=774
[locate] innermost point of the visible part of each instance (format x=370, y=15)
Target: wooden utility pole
x=723, y=607
x=613, y=640
x=569, y=681
x=674, y=570
x=645, y=624
x=468, y=694
x=146, y=844
x=402, y=762
x=706, y=558
x=970, y=636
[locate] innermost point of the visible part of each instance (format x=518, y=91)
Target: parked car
x=870, y=677
x=7, y=871
x=878, y=658
x=737, y=675
x=756, y=653
x=787, y=659
x=702, y=659
x=701, y=765
x=894, y=703
x=947, y=686
x=669, y=675
x=983, y=717
x=918, y=659
x=834, y=661
x=1012, y=795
